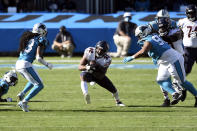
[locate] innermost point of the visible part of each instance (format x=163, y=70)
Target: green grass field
x=60, y=105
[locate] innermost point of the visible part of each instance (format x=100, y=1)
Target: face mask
x=126, y=19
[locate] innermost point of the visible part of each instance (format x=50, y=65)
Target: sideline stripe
x=75, y=66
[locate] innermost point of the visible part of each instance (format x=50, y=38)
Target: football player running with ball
x=168, y=60
x=32, y=46
x=94, y=65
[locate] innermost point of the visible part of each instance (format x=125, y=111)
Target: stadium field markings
x=75, y=66
x=159, y=116
x=70, y=61
x=98, y=126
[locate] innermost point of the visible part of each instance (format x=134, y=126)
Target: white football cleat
x=20, y=96
x=119, y=104
x=87, y=98
x=9, y=99
x=23, y=106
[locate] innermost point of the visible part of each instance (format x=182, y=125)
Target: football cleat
x=184, y=95
x=166, y=103
x=87, y=98
x=119, y=103
x=23, y=106
x=195, y=105
x=176, y=98
x=20, y=96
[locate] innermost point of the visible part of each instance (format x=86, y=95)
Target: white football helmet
x=127, y=14
x=163, y=13
x=142, y=31
x=11, y=77
x=40, y=29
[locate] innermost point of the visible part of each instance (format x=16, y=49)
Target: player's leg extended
x=33, y=77
x=85, y=77
x=28, y=86
x=107, y=84
x=178, y=72
x=163, y=74
x=189, y=59
x=165, y=82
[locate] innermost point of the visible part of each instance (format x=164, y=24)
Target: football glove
x=90, y=68
x=127, y=59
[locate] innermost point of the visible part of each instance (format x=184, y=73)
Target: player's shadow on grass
x=158, y=106
x=44, y=101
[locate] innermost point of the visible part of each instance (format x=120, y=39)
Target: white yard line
x=70, y=61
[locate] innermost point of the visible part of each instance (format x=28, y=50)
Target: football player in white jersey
x=168, y=60
x=188, y=26
x=94, y=65
x=32, y=46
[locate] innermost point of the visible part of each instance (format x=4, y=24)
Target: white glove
x=49, y=65
x=9, y=99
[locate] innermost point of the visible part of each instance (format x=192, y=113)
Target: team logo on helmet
x=11, y=77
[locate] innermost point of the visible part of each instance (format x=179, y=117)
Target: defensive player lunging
x=32, y=46
x=168, y=60
x=94, y=65
x=168, y=30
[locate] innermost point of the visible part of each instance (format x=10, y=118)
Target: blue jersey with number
x=158, y=46
x=155, y=28
x=29, y=54
x=5, y=86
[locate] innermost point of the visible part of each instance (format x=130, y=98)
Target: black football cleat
x=184, y=95
x=176, y=98
x=166, y=103
x=195, y=105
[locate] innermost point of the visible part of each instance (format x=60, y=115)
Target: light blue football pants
x=34, y=84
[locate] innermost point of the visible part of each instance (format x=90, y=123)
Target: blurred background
x=87, y=20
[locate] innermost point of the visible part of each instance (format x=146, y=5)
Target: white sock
x=116, y=96
x=84, y=87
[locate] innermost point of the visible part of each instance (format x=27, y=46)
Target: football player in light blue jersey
x=163, y=15
x=168, y=60
x=32, y=46
x=10, y=78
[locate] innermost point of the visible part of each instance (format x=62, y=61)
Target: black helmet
x=191, y=12
x=102, y=48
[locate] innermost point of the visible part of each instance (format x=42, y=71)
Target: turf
x=60, y=105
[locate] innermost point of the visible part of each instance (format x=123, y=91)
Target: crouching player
x=94, y=65
x=9, y=79
x=168, y=60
